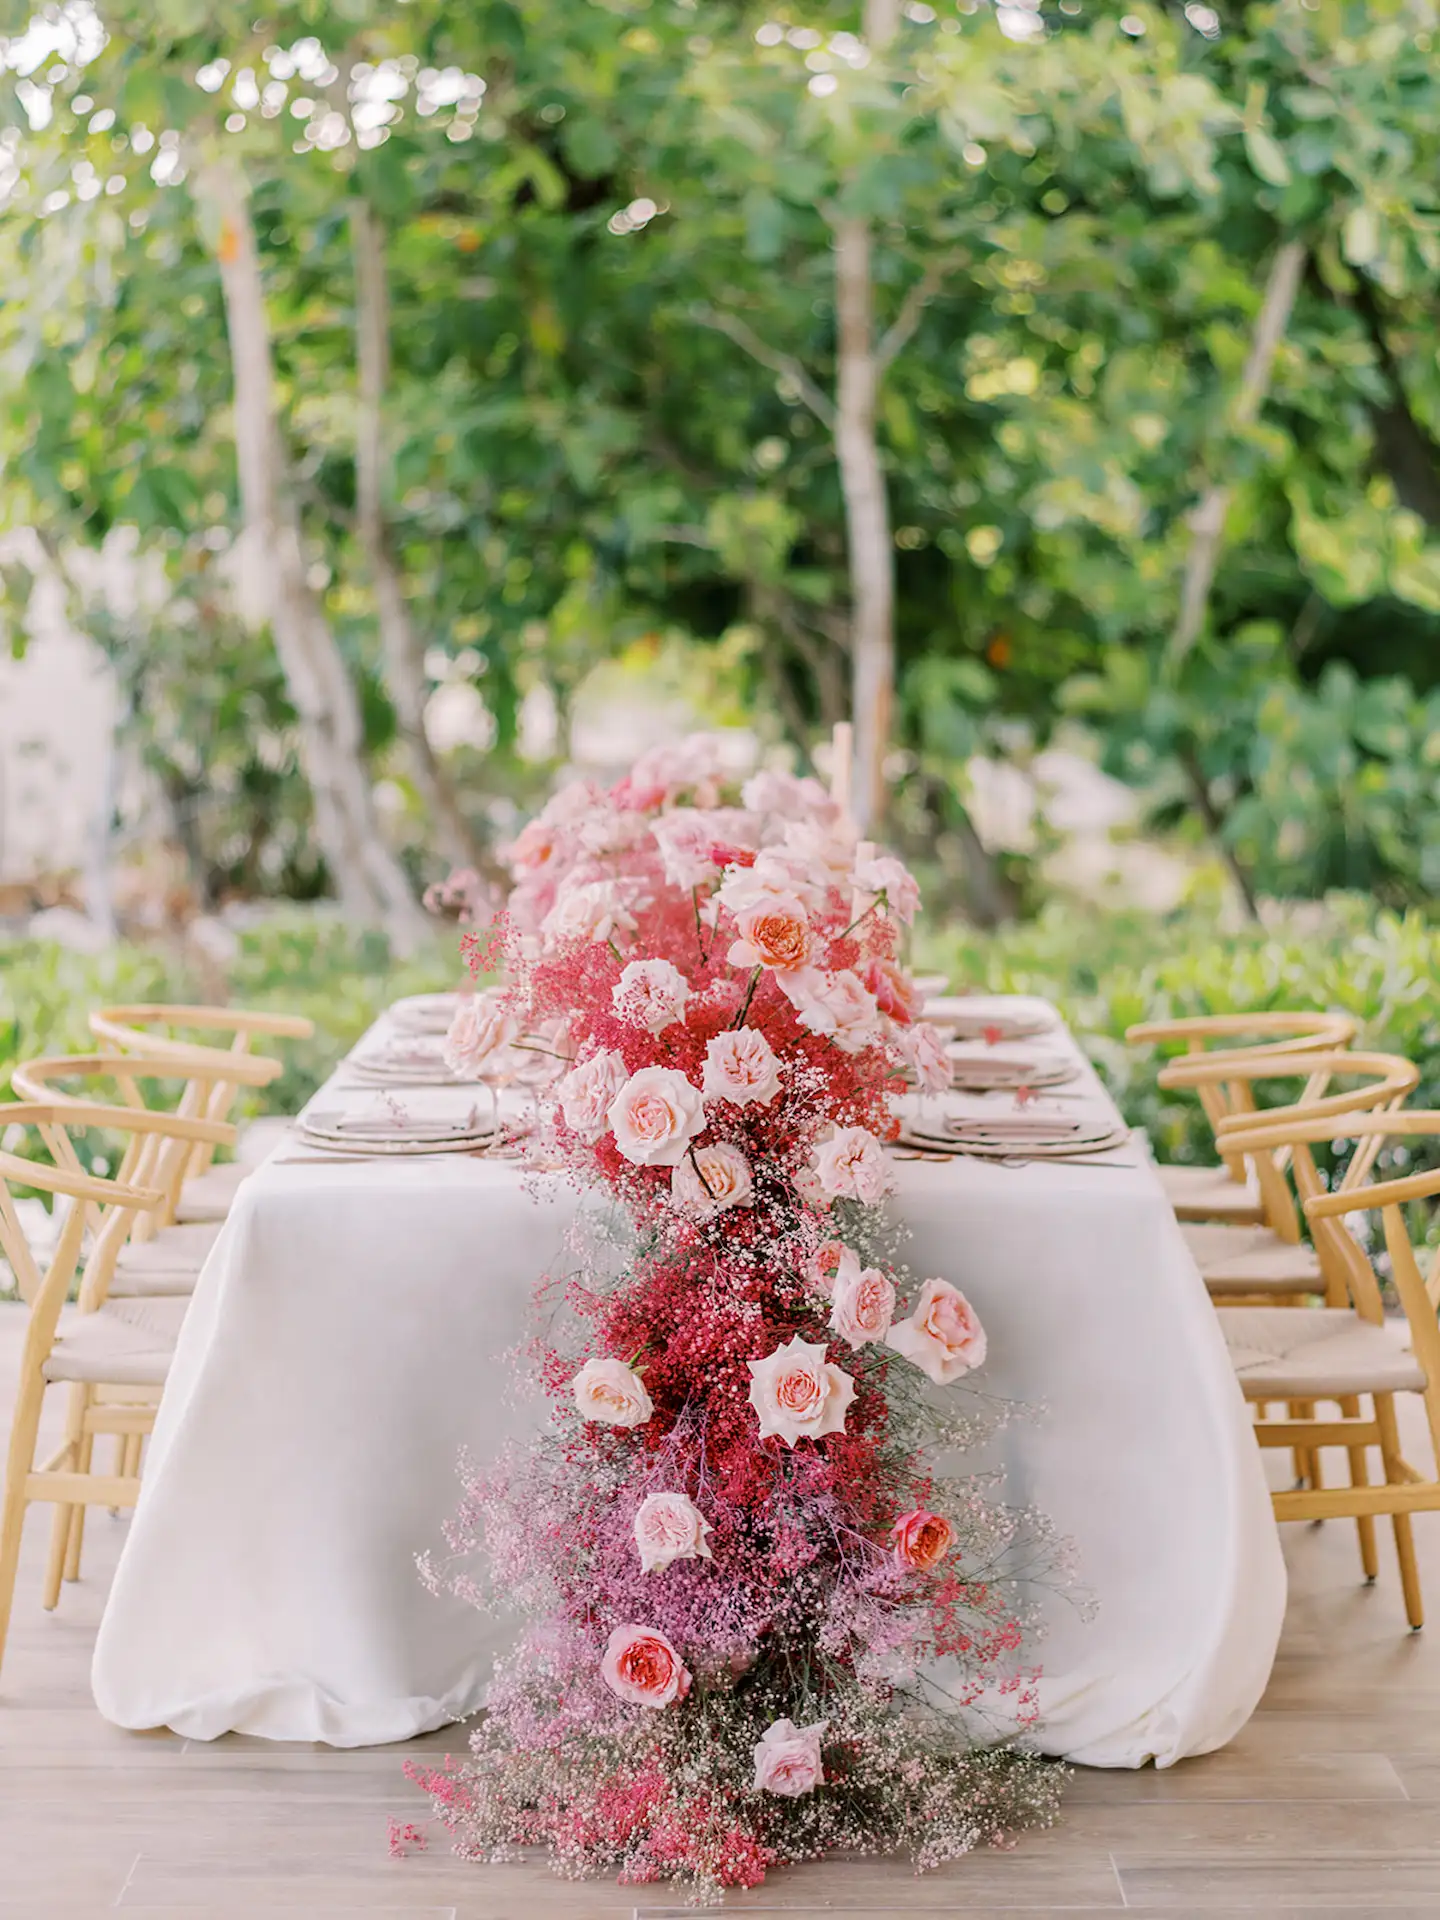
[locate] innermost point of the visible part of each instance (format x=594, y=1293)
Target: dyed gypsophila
x=734, y=1559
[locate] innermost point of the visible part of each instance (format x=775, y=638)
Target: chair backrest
x=156, y=1156
x=113, y=1203
x=1385, y=1079
x=141, y=1028
x=1254, y=1033
x=1419, y=1296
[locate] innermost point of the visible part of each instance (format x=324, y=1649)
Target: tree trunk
x=867, y=520
x=368, y=879
x=1405, y=448
x=862, y=480
x=403, y=653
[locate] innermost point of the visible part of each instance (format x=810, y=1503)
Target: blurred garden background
x=402, y=405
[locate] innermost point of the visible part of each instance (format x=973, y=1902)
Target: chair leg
x=1360, y=1477
x=63, y=1514
x=77, y=1513
x=1307, y=1463
x=1404, y=1534
x=20, y=1459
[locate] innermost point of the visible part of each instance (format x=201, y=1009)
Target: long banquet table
x=344, y=1345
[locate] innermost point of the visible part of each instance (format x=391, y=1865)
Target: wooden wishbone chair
x=1270, y=1261
x=160, y=1256
x=207, y=1190
x=1349, y=1353
x=113, y=1355
x=1221, y=1192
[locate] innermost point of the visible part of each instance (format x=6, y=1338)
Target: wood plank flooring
x=1328, y=1804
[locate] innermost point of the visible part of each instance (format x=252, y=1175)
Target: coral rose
x=863, y=1304
x=787, y=1759
x=641, y=1668
x=894, y=990
x=798, y=1393
x=655, y=1116
x=586, y=1092
x=612, y=1393
x=669, y=1527
x=832, y=1258
x=943, y=1335
x=712, y=1179
x=651, y=994
x=774, y=932
x=740, y=1065
x=850, y=1165
x=481, y=1027
x=922, y=1540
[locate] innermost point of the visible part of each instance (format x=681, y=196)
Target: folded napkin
x=417, y=1117
x=1023, y=1126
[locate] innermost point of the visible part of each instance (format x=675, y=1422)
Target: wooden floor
x=1328, y=1804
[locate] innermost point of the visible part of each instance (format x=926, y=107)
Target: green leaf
x=1267, y=156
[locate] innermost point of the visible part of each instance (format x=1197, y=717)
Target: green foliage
x=318, y=966
x=1109, y=972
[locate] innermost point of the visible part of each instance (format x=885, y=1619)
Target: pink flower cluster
x=737, y=1484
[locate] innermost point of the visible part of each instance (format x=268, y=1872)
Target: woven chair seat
x=1235, y=1259
x=210, y=1195
x=1209, y=1193
x=169, y=1263
x=125, y=1343
x=1313, y=1353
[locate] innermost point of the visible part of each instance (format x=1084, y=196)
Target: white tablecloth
x=341, y=1351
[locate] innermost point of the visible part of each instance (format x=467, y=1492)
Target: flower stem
x=739, y=1019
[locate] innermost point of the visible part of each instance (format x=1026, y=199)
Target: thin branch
x=734, y=328
x=1208, y=520
x=899, y=333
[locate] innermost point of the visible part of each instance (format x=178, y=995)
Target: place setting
x=991, y=1018
x=383, y=1124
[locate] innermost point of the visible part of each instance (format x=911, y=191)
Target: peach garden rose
x=740, y=1066
x=863, y=1303
x=943, y=1335
x=774, y=932
x=710, y=1180
x=586, y=1092
x=642, y=1668
x=606, y=1390
x=655, y=1116
x=850, y=1165
x=798, y=1393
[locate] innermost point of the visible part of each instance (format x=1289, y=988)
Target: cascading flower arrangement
x=735, y=1559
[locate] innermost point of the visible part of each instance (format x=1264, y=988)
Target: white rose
x=609, y=1391
x=669, y=1527
x=593, y=911
x=878, y=874
x=835, y=1004
x=651, y=994
x=586, y=1092
x=798, y=1393
x=710, y=1180
x=655, y=1116
x=480, y=1028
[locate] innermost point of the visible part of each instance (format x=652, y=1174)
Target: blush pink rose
x=774, y=932
x=586, y=1092
x=594, y=911
x=669, y=1527
x=787, y=796
x=922, y=1540
x=881, y=876
x=798, y=1393
x=740, y=1066
x=538, y=845
x=943, y=1335
x=787, y=1759
x=834, y=1004
x=711, y=1180
x=607, y=1390
x=924, y=1052
x=651, y=994
x=684, y=839
x=641, y=1668
x=850, y=1165
x=863, y=1304
x=655, y=1116
x=480, y=1028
